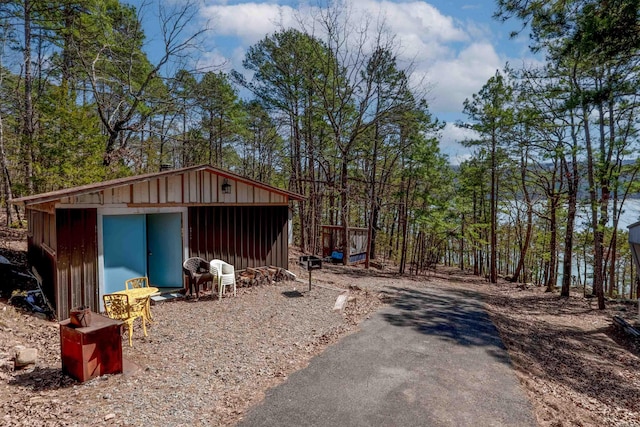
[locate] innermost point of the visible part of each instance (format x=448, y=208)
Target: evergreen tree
x=492, y=116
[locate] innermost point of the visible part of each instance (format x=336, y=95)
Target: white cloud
x=213, y=60
x=421, y=31
x=417, y=19
x=453, y=58
x=450, y=143
x=458, y=78
x=250, y=22
x=419, y=25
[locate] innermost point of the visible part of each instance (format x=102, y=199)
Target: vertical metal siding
x=77, y=282
x=245, y=236
x=42, y=259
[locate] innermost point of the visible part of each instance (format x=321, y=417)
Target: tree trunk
x=605, y=195
x=476, y=258
x=344, y=181
x=28, y=122
x=553, y=245
x=567, y=260
x=461, y=250
x=219, y=140
x=613, y=246
x=296, y=172
x=374, y=228
x=6, y=178
x=372, y=196
x=393, y=235
x=403, y=227
x=597, y=234
x=109, y=152
x=493, y=267
x=527, y=237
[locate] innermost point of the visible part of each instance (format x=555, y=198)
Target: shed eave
x=56, y=195
x=634, y=225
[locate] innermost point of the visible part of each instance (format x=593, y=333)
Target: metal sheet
x=245, y=236
x=76, y=254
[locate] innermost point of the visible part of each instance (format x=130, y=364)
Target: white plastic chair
x=224, y=274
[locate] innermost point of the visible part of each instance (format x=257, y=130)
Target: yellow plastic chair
x=118, y=307
x=136, y=283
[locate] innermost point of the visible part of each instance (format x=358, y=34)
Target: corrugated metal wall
x=245, y=236
x=77, y=253
x=40, y=255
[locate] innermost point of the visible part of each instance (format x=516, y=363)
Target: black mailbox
x=310, y=262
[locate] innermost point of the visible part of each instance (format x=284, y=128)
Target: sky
x=455, y=45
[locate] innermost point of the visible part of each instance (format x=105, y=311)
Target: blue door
x=125, y=249
x=164, y=243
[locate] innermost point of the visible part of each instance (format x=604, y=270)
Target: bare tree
x=122, y=77
x=360, y=55
x=5, y=30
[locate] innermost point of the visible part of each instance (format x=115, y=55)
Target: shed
x=634, y=243
x=333, y=241
x=86, y=241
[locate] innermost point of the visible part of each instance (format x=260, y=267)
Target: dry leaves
x=205, y=362
x=575, y=366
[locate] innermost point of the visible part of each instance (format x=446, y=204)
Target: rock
x=341, y=301
x=24, y=357
x=109, y=416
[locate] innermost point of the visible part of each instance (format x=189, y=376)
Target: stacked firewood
x=259, y=276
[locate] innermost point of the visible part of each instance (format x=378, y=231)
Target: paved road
x=433, y=358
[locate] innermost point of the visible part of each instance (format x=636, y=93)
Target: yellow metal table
x=137, y=293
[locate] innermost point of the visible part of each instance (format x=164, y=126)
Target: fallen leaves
x=574, y=366
x=205, y=362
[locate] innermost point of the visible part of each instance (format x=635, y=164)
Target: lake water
x=630, y=215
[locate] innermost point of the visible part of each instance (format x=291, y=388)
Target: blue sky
x=455, y=45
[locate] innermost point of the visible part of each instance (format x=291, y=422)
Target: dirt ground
x=206, y=362
x=577, y=369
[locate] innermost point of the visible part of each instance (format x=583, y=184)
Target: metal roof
x=119, y=182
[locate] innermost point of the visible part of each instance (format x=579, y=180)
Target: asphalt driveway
x=431, y=358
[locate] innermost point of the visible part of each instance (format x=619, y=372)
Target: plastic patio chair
x=118, y=307
x=224, y=274
x=136, y=282
x=197, y=271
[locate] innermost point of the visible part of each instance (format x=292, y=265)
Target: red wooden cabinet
x=93, y=350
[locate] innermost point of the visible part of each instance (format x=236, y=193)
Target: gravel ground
x=204, y=361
